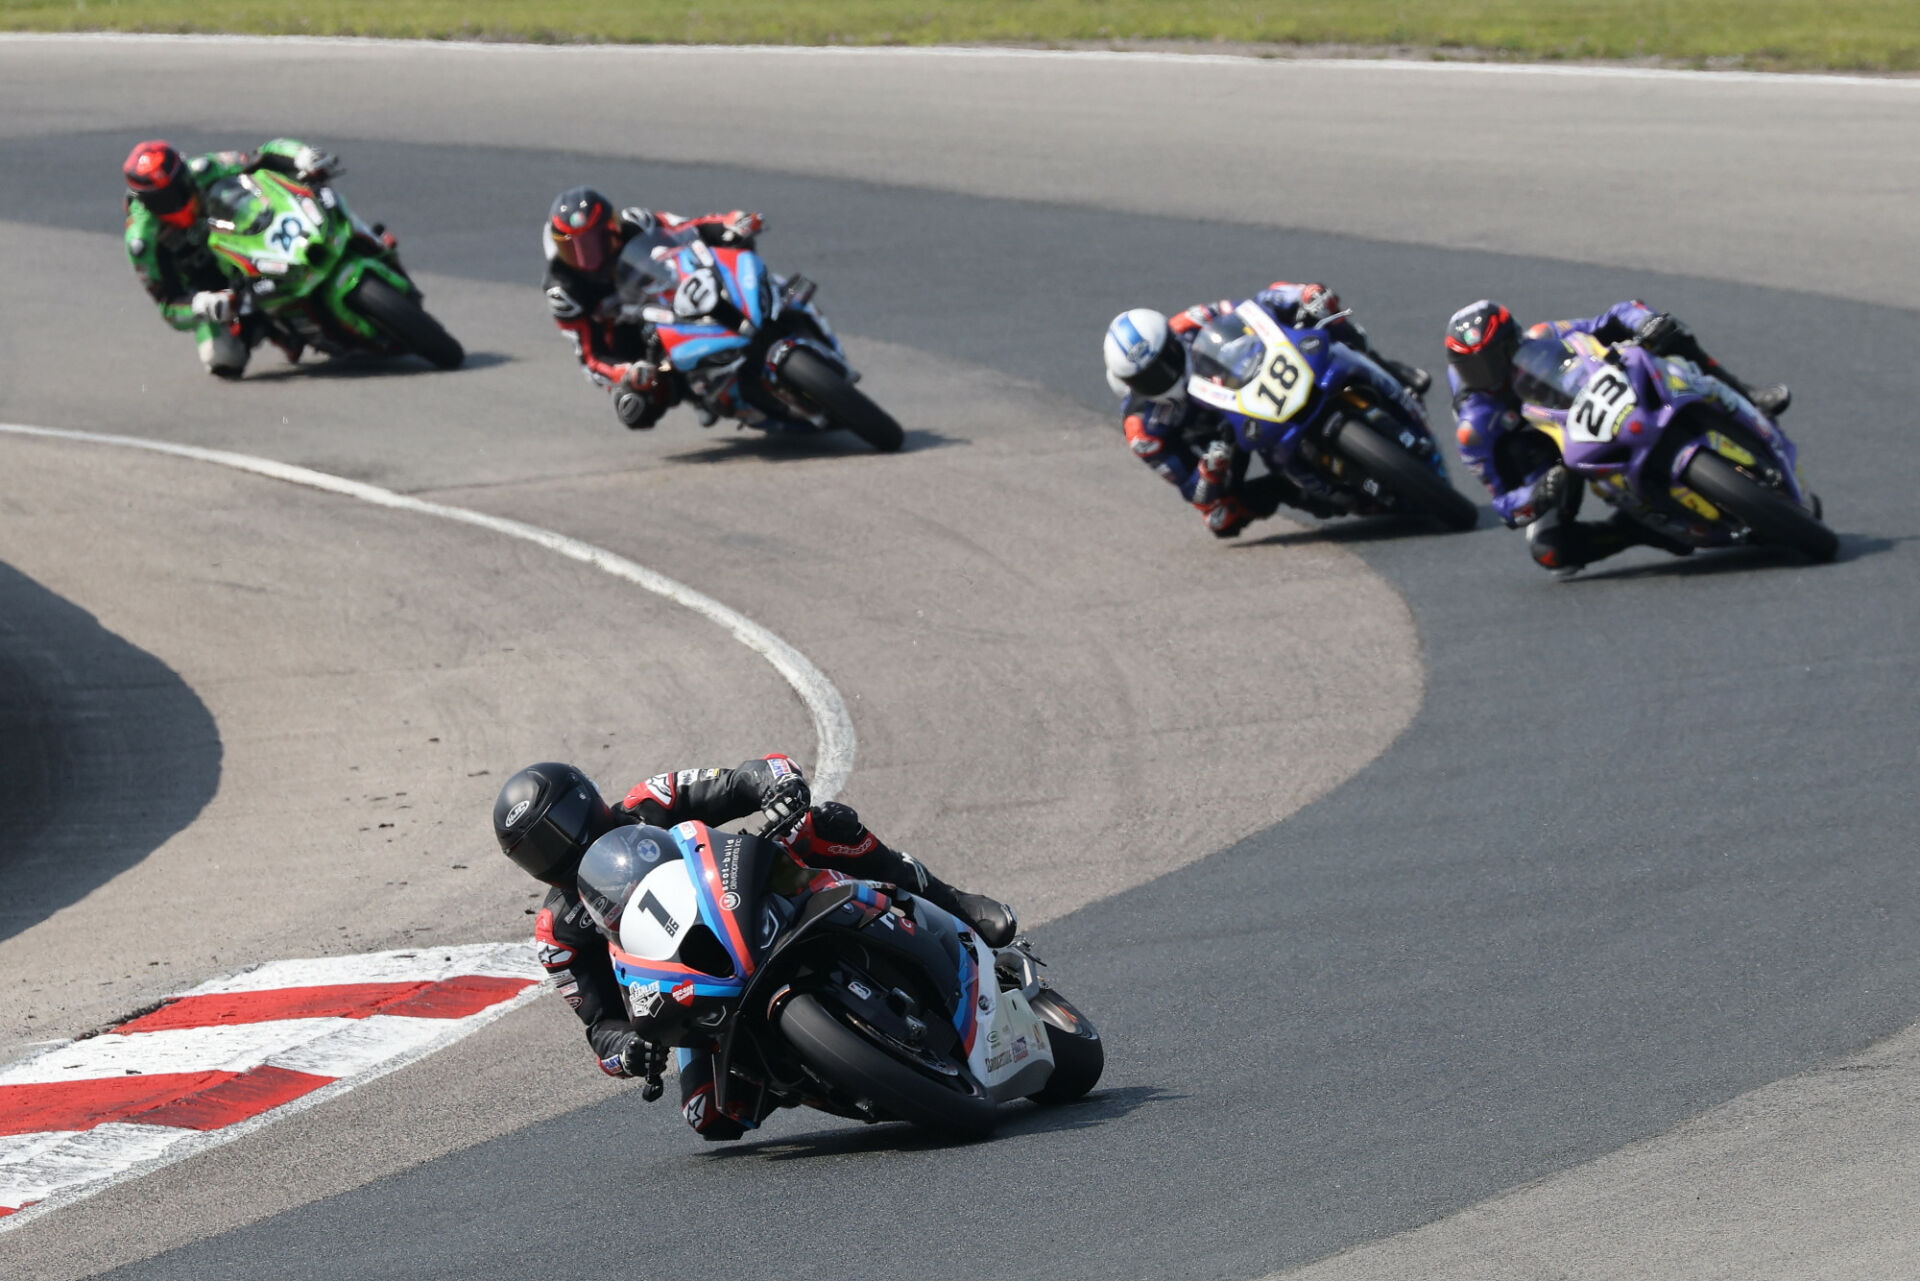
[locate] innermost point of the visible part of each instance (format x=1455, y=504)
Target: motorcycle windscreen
x=1228, y=352
x=1547, y=372
x=644, y=270
x=614, y=867
x=238, y=206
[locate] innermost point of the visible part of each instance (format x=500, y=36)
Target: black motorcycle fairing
x=835, y=948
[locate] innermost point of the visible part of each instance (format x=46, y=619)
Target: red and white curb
x=233, y=1055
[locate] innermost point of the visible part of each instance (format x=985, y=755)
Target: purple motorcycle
x=1674, y=448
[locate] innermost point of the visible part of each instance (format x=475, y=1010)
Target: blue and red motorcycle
x=1326, y=416
x=810, y=989
x=748, y=344
x=1674, y=448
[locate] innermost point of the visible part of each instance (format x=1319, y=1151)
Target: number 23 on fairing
x=1601, y=407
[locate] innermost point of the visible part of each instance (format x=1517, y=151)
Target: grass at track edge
x=1764, y=35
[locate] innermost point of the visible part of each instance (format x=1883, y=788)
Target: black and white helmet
x=545, y=818
x=1143, y=357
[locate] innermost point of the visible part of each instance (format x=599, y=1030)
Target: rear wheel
x=956, y=1106
x=1079, y=1056
x=1405, y=477
x=845, y=405
x=406, y=321
x=1775, y=519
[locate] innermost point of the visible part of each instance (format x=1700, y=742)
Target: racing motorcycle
x=749, y=345
x=1324, y=415
x=1674, y=448
x=853, y=998
x=307, y=270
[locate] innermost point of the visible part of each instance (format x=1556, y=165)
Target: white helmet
x=1143, y=358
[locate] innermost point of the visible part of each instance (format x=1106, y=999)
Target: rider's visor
x=586, y=249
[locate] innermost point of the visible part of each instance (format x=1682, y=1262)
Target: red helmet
x=1480, y=343
x=585, y=230
x=158, y=176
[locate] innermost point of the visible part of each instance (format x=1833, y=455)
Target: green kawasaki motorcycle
x=307, y=268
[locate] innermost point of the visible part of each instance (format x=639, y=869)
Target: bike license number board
x=1278, y=391
x=1601, y=408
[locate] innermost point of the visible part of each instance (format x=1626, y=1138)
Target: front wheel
x=1078, y=1054
x=406, y=321
x=1775, y=519
x=1404, y=476
x=956, y=1107
x=845, y=405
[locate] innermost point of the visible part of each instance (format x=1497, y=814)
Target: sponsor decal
x=993, y=1036
x=645, y=1004
x=649, y=850
x=683, y=992
x=986, y=1003
x=136, y=247
x=730, y=901
x=860, y=989
x=514, y=814
x=997, y=1061
x=661, y=785
x=781, y=766
x=562, y=304
x=1019, y=1048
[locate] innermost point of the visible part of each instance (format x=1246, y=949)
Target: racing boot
x=991, y=919
x=1227, y=517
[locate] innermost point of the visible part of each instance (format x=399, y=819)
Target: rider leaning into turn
x=583, y=238
x=166, y=238
x=1530, y=485
x=548, y=814
x=1146, y=358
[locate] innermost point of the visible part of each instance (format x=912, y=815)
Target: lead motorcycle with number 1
x=850, y=997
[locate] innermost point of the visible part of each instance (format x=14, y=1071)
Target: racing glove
x=741, y=225
x=785, y=797
x=642, y=1058
x=1317, y=302
x=215, y=306
x=1663, y=334
x=311, y=164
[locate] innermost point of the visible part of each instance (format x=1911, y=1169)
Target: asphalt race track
x=1645, y=844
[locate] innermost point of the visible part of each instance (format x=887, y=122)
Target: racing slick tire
x=1079, y=1056
x=1775, y=519
x=960, y=1110
x=807, y=373
x=1405, y=477
x=407, y=322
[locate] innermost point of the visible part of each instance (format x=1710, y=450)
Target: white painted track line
x=832, y=722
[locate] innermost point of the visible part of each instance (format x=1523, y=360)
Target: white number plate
x=1601, y=407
